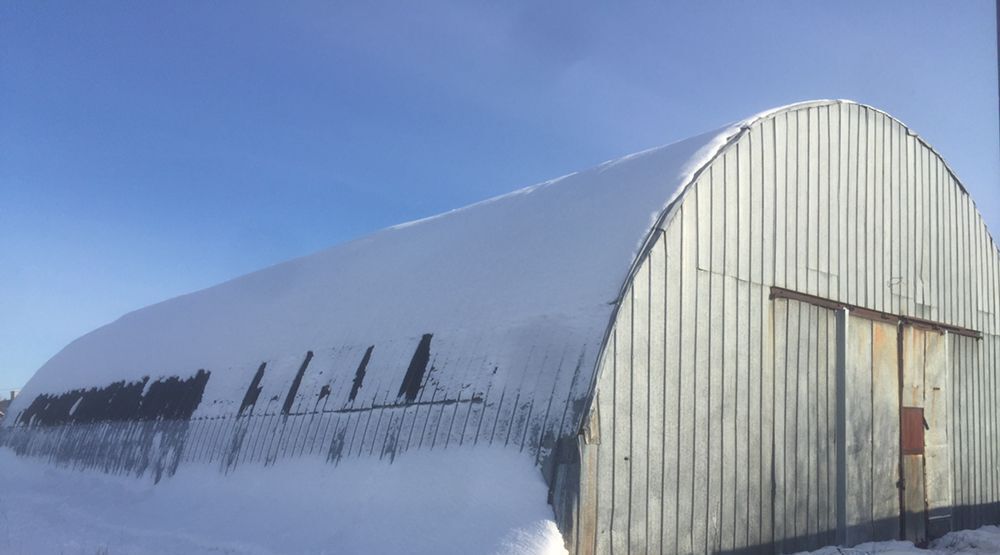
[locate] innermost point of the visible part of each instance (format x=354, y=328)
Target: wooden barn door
x=893, y=425
x=897, y=470
x=872, y=429
x=925, y=498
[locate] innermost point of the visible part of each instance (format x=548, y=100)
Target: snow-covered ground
x=985, y=540
x=489, y=501
x=462, y=502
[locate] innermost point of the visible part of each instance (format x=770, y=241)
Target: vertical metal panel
x=716, y=429
x=913, y=477
x=798, y=420
x=934, y=241
x=703, y=219
x=921, y=224
x=689, y=312
x=876, y=185
x=620, y=432
x=829, y=197
x=700, y=525
x=638, y=425
x=658, y=407
x=854, y=222
x=729, y=404
x=819, y=155
x=994, y=417
x=743, y=432
x=727, y=394
x=994, y=369
x=885, y=430
x=973, y=424
x=811, y=409
x=758, y=423
x=795, y=233
x=898, y=145
x=958, y=461
x=606, y=452
x=768, y=414
x=840, y=179
x=778, y=155
x=738, y=178
x=800, y=166
x=588, y=527
x=866, y=151
x=780, y=486
x=674, y=457
x=764, y=149
x=835, y=392
x=859, y=430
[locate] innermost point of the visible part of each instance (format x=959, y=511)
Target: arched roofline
x=740, y=129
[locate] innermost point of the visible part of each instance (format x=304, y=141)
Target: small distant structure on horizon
x=4, y=403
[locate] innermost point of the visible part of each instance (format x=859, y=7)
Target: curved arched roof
x=510, y=298
x=547, y=259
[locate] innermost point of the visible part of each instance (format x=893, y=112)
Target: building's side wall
x=713, y=402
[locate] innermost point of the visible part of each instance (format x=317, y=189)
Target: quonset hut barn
x=775, y=336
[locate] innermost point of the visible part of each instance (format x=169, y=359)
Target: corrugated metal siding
x=717, y=420
x=975, y=462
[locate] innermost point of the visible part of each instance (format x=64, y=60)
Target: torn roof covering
x=537, y=269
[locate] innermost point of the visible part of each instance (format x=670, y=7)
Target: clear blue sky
x=149, y=149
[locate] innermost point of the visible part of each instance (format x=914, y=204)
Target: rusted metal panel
x=913, y=367
x=913, y=430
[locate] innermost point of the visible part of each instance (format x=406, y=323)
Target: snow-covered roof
x=509, y=298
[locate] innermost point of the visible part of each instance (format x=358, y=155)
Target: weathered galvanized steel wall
x=715, y=416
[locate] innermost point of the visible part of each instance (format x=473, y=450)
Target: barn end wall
x=713, y=426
